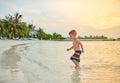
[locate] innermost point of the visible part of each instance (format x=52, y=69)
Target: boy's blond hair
x=73, y=32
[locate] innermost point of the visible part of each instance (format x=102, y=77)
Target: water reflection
x=76, y=76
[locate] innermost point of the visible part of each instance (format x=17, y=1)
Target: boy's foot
x=76, y=67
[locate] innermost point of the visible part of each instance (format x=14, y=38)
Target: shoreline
x=7, y=44
x=88, y=40
x=66, y=40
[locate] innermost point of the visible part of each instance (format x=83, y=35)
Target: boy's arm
x=81, y=46
x=70, y=48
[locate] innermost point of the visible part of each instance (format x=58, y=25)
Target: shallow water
x=48, y=62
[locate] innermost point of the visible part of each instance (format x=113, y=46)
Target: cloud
x=95, y=13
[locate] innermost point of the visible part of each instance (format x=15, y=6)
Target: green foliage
x=57, y=36
x=41, y=34
x=48, y=37
x=12, y=26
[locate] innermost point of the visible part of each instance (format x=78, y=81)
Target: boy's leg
x=76, y=63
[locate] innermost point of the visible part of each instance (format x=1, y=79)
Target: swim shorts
x=76, y=56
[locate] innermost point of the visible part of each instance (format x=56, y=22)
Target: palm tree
x=13, y=22
x=56, y=35
x=17, y=18
x=12, y=31
x=31, y=30
x=22, y=30
x=1, y=29
x=31, y=27
x=41, y=33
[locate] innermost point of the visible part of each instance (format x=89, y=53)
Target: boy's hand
x=68, y=49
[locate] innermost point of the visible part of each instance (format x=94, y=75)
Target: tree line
x=93, y=37
x=13, y=27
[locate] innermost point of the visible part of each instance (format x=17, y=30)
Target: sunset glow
x=97, y=17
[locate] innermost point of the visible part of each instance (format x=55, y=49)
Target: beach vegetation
x=13, y=27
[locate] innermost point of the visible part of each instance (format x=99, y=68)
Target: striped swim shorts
x=76, y=56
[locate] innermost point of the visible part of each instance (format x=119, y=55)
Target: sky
x=87, y=17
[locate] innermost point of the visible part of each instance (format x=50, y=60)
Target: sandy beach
x=48, y=62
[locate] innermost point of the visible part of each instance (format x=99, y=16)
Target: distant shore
x=69, y=39
x=89, y=39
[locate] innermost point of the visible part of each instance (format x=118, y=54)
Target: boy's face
x=72, y=36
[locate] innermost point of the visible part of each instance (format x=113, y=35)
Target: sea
x=49, y=62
